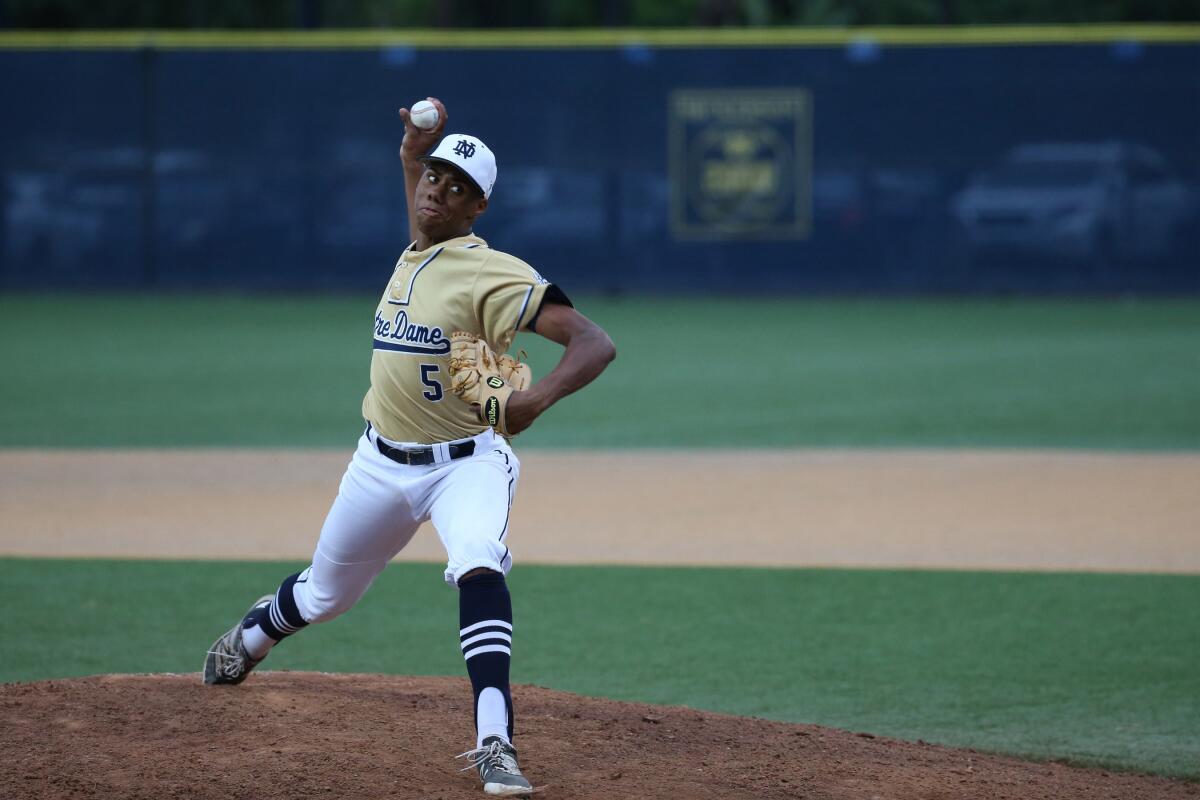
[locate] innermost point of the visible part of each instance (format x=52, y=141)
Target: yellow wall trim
x=997, y=35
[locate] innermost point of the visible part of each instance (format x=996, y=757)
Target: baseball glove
x=480, y=377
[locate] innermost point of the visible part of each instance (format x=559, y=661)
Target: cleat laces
x=494, y=755
x=230, y=664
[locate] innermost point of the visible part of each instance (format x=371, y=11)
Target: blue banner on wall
x=740, y=163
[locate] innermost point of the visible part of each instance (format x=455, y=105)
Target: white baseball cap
x=469, y=154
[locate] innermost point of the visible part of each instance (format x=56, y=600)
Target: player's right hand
x=418, y=142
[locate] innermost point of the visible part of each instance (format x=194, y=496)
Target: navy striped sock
x=485, y=634
x=281, y=618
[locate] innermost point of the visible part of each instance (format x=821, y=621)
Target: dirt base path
x=307, y=735
x=959, y=508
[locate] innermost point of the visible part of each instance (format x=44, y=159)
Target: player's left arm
x=588, y=351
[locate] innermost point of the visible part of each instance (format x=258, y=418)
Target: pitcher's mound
x=302, y=735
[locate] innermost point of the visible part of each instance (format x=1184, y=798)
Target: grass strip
x=254, y=371
x=1095, y=669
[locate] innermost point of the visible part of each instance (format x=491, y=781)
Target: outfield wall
x=825, y=162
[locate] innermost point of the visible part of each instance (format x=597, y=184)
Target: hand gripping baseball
x=485, y=380
x=419, y=141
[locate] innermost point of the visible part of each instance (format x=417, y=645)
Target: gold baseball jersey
x=456, y=285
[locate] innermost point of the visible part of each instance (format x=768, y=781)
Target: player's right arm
x=416, y=144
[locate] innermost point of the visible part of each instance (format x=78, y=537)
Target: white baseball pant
x=380, y=505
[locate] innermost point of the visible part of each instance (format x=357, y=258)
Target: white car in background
x=1089, y=201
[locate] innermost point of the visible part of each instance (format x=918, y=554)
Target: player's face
x=447, y=203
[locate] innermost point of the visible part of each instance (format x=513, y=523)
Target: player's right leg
x=369, y=522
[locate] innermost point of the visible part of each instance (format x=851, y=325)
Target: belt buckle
x=413, y=453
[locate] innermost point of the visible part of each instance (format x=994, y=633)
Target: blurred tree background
x=259, y=14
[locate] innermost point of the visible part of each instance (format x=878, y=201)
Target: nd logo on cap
x=470, y=155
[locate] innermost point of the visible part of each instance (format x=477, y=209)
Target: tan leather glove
x=480, y=377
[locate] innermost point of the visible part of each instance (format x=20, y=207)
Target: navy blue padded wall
x=277, y=169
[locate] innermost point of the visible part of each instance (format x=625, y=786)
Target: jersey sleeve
x=508, y=293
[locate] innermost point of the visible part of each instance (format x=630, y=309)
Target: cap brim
x=457, y=168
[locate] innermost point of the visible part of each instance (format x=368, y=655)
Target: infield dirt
x=361, y=736
x=310, y=735
x=996, y=509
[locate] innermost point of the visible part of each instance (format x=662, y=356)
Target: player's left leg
x=485, y=634
x=470, y=510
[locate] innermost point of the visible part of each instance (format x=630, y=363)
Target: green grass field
x=187, y=370
x=1094, y=669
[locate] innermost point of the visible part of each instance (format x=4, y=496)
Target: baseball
x=424, y=115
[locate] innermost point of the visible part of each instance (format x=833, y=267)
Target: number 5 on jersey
x=434, y=392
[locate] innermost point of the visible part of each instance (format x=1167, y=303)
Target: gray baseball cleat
x=227, y=660
x=497, y=765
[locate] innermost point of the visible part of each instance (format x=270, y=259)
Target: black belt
x=420, y=456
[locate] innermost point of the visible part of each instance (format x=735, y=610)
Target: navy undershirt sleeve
x=553, y=295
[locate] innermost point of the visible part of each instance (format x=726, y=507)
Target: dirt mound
x=310, y=735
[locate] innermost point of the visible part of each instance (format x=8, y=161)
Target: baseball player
x=441, y=406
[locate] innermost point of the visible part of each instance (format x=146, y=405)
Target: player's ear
x=481, y=205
